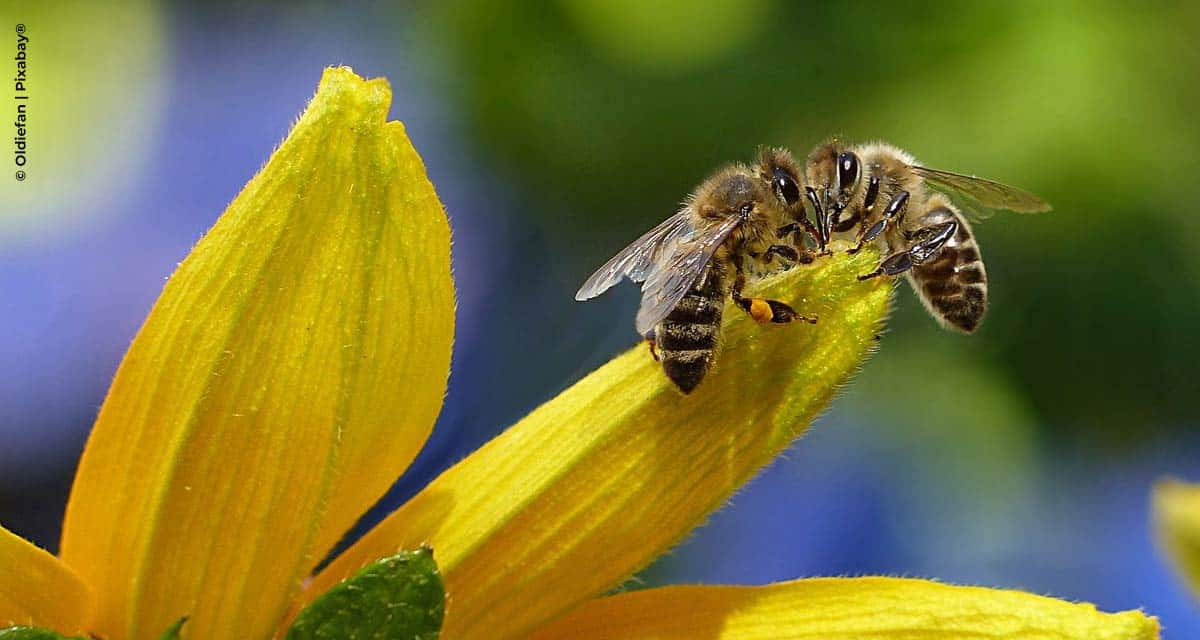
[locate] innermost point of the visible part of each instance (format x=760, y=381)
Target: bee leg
x=786, y=231
x=894, y=264
x=653, y=344
x=794, y=228
x=837, y=224
x=831, y=212
x=764, y=310
x=790, y=229
x=761, y=309
x=773, y=311
x=788, y=252
x=847, y=224
x=869, y=235
x=783, y=251
x=930, y=241
x=864, y=224
x=868, y=206
x=894, y=211
x=821, y=232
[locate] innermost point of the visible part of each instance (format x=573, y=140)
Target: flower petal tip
x=1176, y=516
x=594, y=484
x=843, y=609
x=37, y=588
x=289, y=372
x=340, y=88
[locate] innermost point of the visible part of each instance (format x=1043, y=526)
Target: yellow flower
x=294, y=365
x=1177, y=518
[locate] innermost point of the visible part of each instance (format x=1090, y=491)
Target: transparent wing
x=982, y=196
x=669, y=280
x=635, y=260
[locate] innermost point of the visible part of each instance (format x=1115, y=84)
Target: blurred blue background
x=1020, y=457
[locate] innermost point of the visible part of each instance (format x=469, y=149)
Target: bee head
x=734, y=194
x=822, y=163
x=778, y=169
x=848, y=171
x=834, y=171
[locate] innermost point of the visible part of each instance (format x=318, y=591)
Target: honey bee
x=883, y=191
x=739, y=223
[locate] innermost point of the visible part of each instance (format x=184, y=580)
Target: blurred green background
x=558, y=132
x=608, y=112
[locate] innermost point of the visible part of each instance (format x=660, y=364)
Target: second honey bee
x=736, y=224
x=885, y=193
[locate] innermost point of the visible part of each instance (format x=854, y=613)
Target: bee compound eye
x=847, y=170
x=787, y=187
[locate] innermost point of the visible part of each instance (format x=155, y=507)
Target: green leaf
x=401, y=596
x=172, y=632
x=33, y=633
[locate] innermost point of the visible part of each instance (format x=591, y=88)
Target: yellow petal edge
x=843, y=609
x=37, y=589
x=1177, y=520
x=291, y=369
x=596, y=483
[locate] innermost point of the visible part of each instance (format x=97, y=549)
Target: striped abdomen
x=953, y=285
x=687, y=338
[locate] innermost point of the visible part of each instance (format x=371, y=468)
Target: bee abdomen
x=953, y=286
x=698, y=308
x=674, y=336
x=687, y=368
x=687, y=338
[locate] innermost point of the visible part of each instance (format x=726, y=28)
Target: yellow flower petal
x=594, y=484
x=291, y=369
x=38, y=589
x=1177, y=518
x=842, y=609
